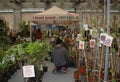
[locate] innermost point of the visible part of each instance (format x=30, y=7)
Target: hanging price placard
x=102, y=37
x=81, y=45
x=108, y=41
x=92, y=43
x=28, y=71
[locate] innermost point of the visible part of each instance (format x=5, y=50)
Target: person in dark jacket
x=59, y=56
x=39, y=34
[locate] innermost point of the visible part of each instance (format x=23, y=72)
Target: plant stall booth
x=58, y=17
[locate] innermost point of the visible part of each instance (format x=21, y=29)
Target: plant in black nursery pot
x=45, y=68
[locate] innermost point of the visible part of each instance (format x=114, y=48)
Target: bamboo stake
x=101, y=62
x=91, y=2
x=86, y=64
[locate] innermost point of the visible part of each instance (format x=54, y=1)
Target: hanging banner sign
x=43, y=18
x=108, y=41
x=81, y=45
x=102, y=37
x=53, y=17
x=28, y=71
x=92, y=43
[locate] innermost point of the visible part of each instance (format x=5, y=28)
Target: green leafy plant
x=25, y=29
x=37, y=50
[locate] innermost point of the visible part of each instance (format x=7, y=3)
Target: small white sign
x=102, y=37
x=92, y=43
x=91, y=31
x=85, y=26
x=81, y=45
x=79, y=37
x=108, y=41
x=28, y=71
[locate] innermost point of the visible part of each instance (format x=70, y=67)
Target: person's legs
x=64, y=68
x=56, y=69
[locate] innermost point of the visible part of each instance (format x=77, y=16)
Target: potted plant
x=76, y=75
x=36, y=52
x=25, y=29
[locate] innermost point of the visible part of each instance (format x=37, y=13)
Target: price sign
x=102, y=37
x=92, y=43
x=81, y=45
x=28, y=71
x=108, y=41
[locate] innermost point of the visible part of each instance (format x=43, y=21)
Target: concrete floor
x=48, y=76
x=59, y=76
x=17, y=77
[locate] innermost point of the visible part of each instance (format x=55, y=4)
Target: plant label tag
x=81, y=45
x=108, y=41
x=28, y=71
x=92, y=43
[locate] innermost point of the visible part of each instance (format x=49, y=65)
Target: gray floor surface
x=48, y=76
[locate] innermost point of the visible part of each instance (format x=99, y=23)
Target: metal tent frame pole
x=107, y=48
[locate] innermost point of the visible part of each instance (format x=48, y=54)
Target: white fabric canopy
x=55, y=15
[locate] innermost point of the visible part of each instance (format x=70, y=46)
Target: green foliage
x=93, y=21
x=3, y=33
x=113, y=80
x=115, y=29
x=36, y=51
x=2, y=54
x=113, y=74
x=25, y=28
x=112, y=50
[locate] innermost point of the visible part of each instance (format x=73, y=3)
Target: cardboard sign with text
x=28, y=71
x=81, y=45
x=108, y=41
x=92, y=43
x=102, y=37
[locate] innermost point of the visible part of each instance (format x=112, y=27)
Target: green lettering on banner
x=68, y=17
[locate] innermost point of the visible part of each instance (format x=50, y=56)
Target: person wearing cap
x=59, y=56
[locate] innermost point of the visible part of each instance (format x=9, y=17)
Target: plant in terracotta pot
x=76, y=75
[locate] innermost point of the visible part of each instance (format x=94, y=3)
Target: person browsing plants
x=59, y=56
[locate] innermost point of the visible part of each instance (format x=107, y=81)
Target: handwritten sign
x=102, y=37
x=92, y=43
x=108, y=41
x=81, y=45
x=28, y=71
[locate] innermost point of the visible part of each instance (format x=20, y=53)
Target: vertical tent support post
x=107, y=48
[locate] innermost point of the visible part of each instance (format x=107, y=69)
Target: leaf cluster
x=34, y=50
